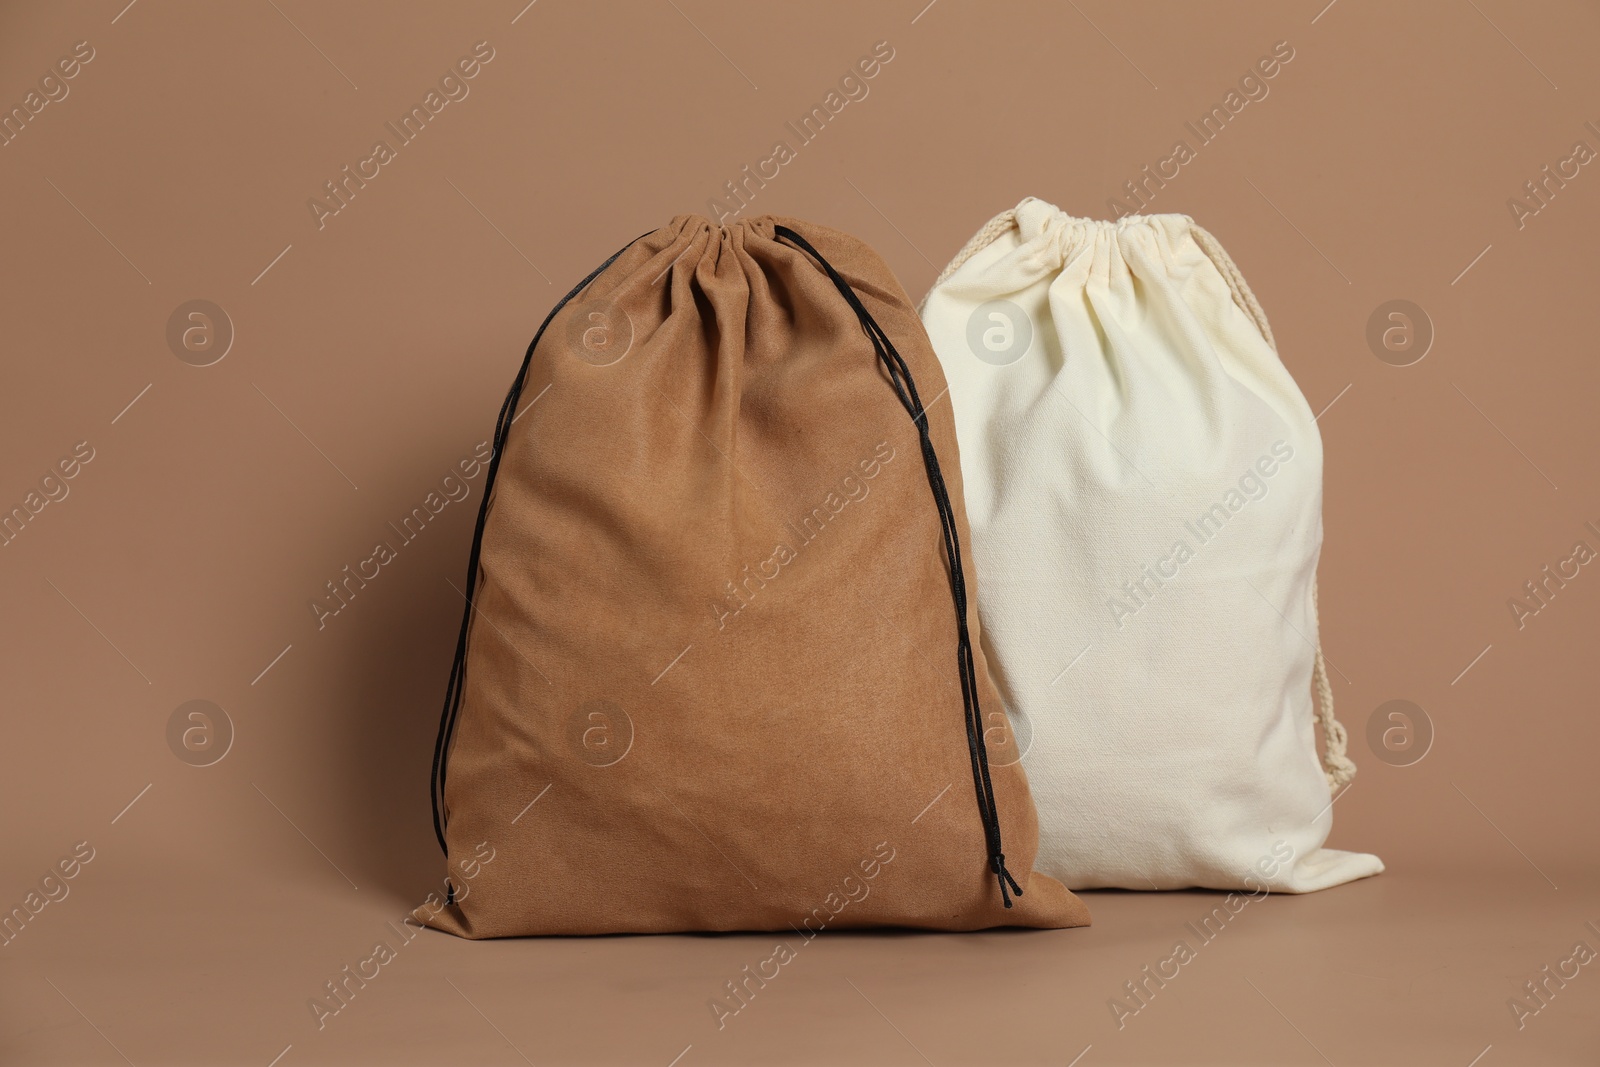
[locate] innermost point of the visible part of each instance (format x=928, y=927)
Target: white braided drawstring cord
x=1336, y=762
x=1230, y=271
x=980, y=240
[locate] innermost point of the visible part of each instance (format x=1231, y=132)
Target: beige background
x=371, y=354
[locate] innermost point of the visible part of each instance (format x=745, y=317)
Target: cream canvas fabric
x=1144, y=484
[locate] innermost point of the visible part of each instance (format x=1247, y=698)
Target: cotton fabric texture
x=1144, y=483
x=710, y=681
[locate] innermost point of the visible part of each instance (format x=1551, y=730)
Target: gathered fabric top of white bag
x=1144, y=484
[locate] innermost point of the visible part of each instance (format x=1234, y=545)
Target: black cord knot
x=997, y=863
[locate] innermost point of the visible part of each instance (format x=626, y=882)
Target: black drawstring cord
x=458, y=669
x=906, y=389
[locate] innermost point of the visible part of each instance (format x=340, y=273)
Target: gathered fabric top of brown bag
x=720, y=667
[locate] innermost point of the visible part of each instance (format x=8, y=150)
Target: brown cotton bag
x=720, y=666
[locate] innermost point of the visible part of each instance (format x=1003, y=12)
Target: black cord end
x=997, y=863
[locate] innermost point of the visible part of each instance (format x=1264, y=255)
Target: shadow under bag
x=720, y=668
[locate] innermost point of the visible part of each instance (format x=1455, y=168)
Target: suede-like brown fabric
x=718, y=558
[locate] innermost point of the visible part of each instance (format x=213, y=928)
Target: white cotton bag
x=1144, y=484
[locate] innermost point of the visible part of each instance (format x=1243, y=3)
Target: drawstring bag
x=1144, y=483
x=719, y=666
